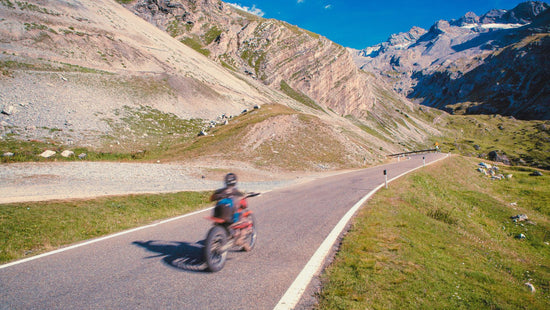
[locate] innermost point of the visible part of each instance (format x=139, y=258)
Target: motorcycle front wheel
x=215, y=252
x=250, y=238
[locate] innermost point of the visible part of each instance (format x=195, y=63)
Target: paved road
x=160, y=266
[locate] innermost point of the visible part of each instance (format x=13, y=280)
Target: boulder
x=536, y=173
x=47, y=154
x=67, y=153
x=496, y=156
x=8, y=110
x=519, y=218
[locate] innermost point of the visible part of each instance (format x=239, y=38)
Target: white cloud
x=252, y=10
x=300, y=1
x=328, y=6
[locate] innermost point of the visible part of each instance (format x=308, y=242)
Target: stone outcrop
x=273, y=52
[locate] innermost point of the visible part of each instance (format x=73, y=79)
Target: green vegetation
x=175, y=28
x=299, y=96
x=146, y=133
x=196, y=45
x=31, y=7
x=8, y=66
x=524, y=142
x=7, y=3
x=212, y=34
x=27, y=229
x=35, y=26
x=443, y=238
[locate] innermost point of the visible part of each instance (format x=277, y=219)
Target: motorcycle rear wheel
x=215, y=252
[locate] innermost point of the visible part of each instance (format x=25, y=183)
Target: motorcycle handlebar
x=251, y=195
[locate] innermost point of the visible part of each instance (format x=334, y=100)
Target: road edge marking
x=294, y=293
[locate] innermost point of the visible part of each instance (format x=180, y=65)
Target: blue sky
x=363, y=23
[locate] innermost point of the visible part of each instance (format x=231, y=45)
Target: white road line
x=294, y=293
x=101, y=239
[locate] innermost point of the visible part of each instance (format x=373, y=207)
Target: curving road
x=160, y=266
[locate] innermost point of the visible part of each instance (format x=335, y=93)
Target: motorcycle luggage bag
x=224, y=210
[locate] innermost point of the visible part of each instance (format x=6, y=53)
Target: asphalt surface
x=160, y=266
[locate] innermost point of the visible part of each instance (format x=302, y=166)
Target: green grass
x=8, y=66
x=442, y=238
x=196, y=45
x=524, y=142
x=27, y=229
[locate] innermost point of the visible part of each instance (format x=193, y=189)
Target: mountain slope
x=95, y=56
x=495, y=63
x=93, y=74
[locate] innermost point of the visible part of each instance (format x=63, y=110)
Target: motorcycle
x=228, y=233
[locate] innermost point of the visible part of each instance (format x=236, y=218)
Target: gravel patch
x=68, y=180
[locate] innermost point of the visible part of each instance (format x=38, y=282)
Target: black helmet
x=230, y=179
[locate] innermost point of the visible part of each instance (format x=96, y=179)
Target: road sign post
x=386, y=177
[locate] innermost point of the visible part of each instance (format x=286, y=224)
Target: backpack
x=224, y=209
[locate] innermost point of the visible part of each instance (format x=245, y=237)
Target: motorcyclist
x=230, y=191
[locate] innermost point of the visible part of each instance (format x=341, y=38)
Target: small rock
x=484, y=165
x=82, y=155
x=536, y=174
x=519, y=218
x=509, y=176
x=202, y=133
x=8, y=154
x=521, y=236
x=47, y=154
x=67, y=153
x=8, y=110
x=531, y=287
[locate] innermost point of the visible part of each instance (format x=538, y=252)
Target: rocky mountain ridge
x=273, y=52
x=494, y=63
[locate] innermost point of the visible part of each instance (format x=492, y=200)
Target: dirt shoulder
x=21, y=182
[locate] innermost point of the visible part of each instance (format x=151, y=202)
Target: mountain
x=147, y=77
x=490, y=64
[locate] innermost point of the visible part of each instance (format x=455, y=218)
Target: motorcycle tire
x=214, y=254
x=252, y=235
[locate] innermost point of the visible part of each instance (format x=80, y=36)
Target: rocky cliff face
x=276, y=53
x=494, y=63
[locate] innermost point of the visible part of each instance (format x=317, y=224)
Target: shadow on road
x=180, y=255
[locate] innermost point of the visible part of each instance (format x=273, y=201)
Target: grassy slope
x=524, y=142
x=442, y=238
x=304, y=145
x=27, y=229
